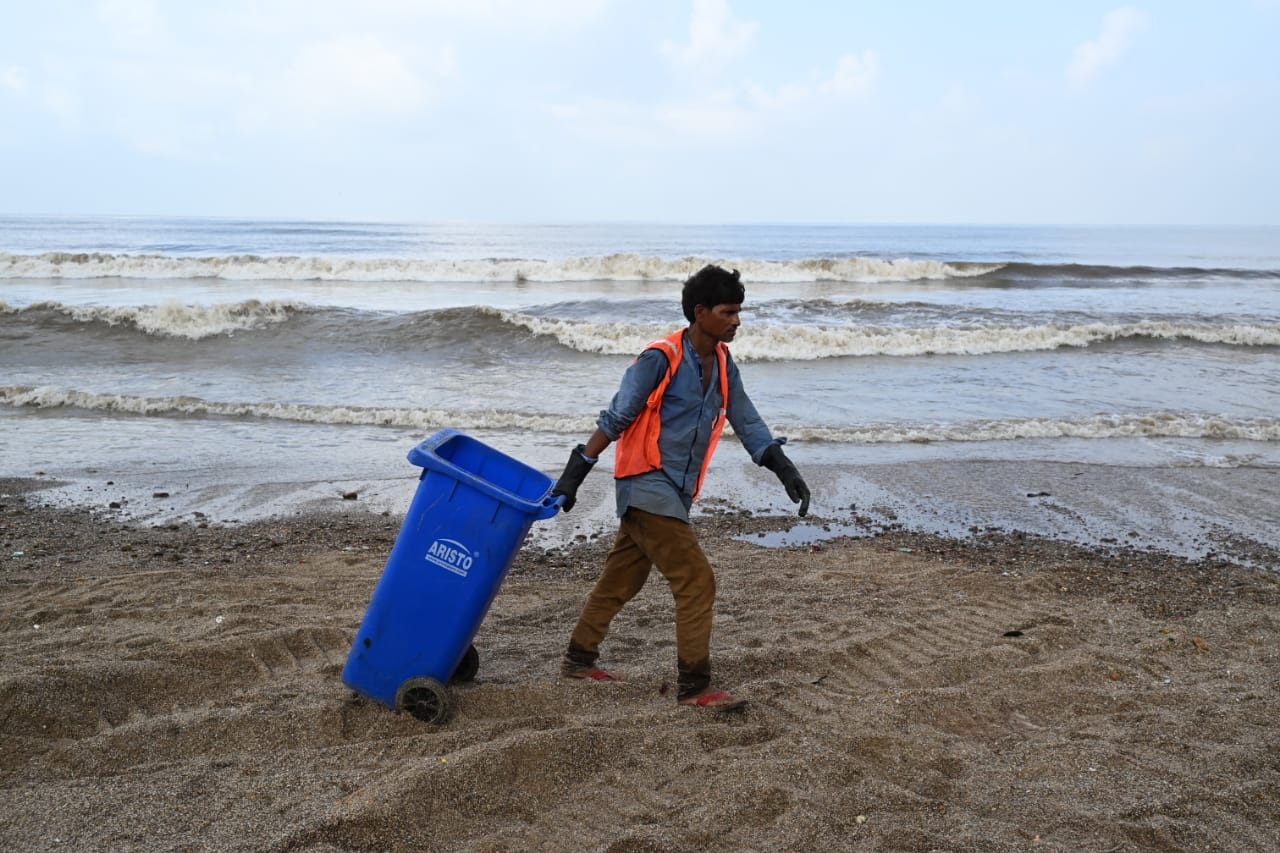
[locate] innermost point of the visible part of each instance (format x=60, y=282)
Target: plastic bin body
x=470, y=514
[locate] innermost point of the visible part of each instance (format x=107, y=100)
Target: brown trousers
x=644, y=541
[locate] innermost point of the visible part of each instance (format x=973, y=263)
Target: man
x=667, y=417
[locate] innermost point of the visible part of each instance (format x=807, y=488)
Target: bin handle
x=425, y=451
x=552, y=503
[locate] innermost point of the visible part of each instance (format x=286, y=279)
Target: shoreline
x=1194, y=513
x=908, y=691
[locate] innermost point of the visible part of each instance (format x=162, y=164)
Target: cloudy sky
x=849, y=111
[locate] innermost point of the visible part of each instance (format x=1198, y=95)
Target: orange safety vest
x=636, y=451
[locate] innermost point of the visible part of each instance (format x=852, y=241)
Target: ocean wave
x=1144, y=425
x=44, y=397
x=764, y=341
x=172, y=319
x=616, y=267
x=758, y=342
x=806, y=343
x=1090, y=273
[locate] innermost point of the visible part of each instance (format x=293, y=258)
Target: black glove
x=575, y=471
x=777, y=462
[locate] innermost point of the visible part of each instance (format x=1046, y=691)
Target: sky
x=697, y=111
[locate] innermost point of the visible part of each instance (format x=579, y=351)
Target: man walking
x=666, y=418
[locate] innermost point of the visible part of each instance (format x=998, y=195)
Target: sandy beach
x=177, y=688
x=1006, y=285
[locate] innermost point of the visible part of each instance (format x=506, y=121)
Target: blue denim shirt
x=687, y=416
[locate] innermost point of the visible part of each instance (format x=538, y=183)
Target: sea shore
x=177, y=688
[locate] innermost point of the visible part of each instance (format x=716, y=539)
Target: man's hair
x=711, y=286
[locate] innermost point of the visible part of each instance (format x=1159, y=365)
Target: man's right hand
x=575, y=471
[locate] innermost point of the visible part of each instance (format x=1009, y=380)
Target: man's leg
x=673, y=548
x=625, y=571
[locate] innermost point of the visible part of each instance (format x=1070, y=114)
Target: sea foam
x=45, y=397
x=1144, y=425
x=173, y=319
x=616, y=267
x=757, y=341
x=1158, y=424
x=810, y=342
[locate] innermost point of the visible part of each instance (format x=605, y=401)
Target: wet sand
x=178, y=688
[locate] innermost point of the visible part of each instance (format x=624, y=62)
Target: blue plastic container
x=471, y=512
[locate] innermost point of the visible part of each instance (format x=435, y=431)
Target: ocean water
x=1108, y=385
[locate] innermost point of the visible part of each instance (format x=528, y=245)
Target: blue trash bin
x=471, y=512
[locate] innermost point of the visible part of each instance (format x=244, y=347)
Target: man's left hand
x=777, y=462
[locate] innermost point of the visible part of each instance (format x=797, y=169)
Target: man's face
x=720, y=322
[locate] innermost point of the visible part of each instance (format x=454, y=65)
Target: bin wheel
x=467, y=667
x=426, y=699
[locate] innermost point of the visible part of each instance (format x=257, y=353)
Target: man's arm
x=637, y=384
x=596, y=444
x=759, y=442
x=747, y=424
